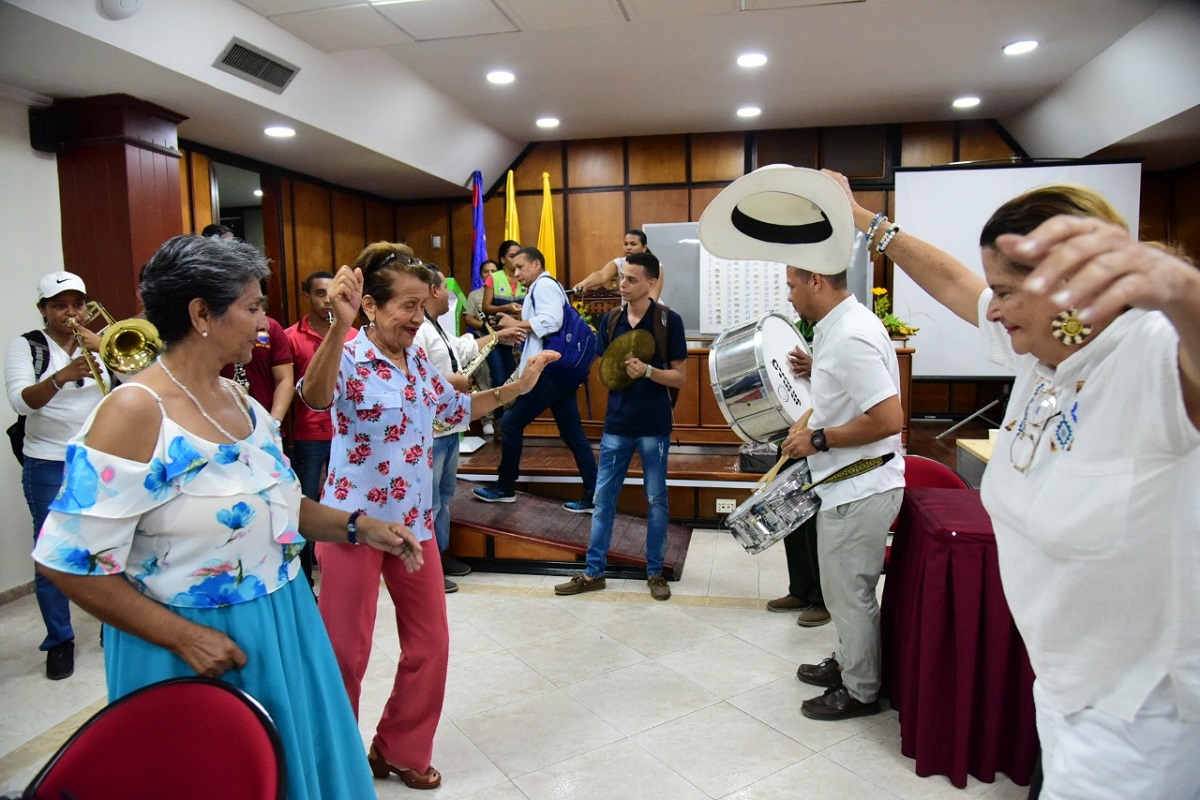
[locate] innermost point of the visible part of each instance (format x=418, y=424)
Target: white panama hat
x=791, y=215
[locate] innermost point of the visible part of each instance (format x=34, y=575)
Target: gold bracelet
x=496, y=394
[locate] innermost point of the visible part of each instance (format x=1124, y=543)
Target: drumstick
x=771, y=473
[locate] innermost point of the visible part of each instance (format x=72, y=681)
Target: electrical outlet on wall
x=725, y=506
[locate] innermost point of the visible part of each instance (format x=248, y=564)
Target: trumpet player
x=448, y=355
x=50, y=384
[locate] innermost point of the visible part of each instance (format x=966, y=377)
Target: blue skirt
x=290, y=669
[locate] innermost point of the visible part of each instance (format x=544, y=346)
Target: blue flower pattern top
x=203, y=525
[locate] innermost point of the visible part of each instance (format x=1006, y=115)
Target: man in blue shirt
x=638, y=418
x=541, y=316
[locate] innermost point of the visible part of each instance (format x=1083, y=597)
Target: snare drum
x=752, y=380
x=774, y=510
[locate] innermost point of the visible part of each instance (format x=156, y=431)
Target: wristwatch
x=818, y=440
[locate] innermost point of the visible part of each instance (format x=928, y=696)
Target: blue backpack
x=575, y=340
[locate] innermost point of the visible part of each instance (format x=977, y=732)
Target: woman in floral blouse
x=179, y=523
x=386, y=400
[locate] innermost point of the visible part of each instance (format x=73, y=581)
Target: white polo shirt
x=1099, y=540
x=854, y=368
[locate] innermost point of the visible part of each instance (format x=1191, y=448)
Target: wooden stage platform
x=536, y=534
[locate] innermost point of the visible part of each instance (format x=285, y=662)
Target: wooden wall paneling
x=718, y=156
x=594, y=162
x=349, y=228
x=95, y=219
x=648, y=206
x=1154, y=211
x=543, y=157
x=856, y=151
x=456, y=251
x=185, y=191
x=687, y=407
x=929, y=397
x=924, y=144
x=596, y=231
x=978, y=140
x=201, y=190
x=795, y=147
x=277, y=246
x=311, y=218
x=701, y=197
x=1185, y=221
x=706, y=500
x=416, y=224
x=150, y=176
x=658, y=159
x=381, y=223
x=493, y=220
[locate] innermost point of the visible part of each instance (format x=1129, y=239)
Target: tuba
x=126, y=347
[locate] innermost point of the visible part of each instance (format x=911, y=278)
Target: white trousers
x=1090, y=755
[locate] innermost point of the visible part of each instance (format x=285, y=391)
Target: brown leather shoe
x=812, y=617
x=837, y=703
x=658, y=587
x=827, y=673
x=787, y=603
x=578, y=584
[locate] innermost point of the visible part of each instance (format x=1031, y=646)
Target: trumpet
x=126, y=347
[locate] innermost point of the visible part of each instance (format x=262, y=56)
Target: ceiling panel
x=532, y=15
x=664, y=9
x=447, y=19
x=346, y=28
x=763, y=5
x=269, y=8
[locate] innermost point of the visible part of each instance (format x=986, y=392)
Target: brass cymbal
x=637, y=344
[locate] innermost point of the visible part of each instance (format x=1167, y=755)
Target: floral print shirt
x=202, y=525
x=381, y=458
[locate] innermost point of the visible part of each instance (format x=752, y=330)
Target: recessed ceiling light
x=500, y=76
x=548, y=122
x=749, y=111
x=751, y=60
x=279, y=131
x=1020, y=48
x=258, y=192
x=966, y=102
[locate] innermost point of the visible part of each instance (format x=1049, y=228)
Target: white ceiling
x=603, y=67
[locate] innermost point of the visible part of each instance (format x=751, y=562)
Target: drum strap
x=659, y=323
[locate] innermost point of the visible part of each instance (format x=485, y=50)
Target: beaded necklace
x=228, y=387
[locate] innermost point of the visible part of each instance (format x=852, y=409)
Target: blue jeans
x=42, y=480
x=615, y=455
x=560, y=399
x=445, y=479
x=309, y=459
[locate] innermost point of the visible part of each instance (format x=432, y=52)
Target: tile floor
x=608, y=695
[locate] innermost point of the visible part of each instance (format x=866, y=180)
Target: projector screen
x=947, y=207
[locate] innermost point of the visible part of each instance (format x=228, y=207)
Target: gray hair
x=188, y=267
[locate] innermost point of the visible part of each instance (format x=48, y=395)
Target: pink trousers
x=349, y=594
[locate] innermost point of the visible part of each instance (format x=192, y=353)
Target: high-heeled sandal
x=380, y=768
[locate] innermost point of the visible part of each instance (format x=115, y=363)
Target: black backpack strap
x=660, y=331
x=39, y=350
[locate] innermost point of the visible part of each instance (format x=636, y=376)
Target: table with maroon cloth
x=954, y=665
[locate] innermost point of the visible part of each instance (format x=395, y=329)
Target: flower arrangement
x=883, y=309
x=591, y=319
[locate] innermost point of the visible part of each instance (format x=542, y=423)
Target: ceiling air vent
x=255, y=65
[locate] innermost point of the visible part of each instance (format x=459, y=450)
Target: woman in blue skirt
x=179, y=524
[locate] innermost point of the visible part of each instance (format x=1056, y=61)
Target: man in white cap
x=793, y=216
x=50, y=385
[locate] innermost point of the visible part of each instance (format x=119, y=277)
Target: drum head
x=776, y=338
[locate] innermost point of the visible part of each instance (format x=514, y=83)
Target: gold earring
x=1069, y=329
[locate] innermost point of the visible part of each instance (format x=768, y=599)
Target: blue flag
x=479, y=249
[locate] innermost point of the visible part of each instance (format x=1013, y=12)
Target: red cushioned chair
x=922, y=472
x=183, y=738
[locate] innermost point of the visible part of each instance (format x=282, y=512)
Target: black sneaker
x=452, y=566
x=494, y=494
x=60, y=661
x=451, y=586
x=580, y=506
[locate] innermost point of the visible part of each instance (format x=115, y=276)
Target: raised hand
x=345, y=294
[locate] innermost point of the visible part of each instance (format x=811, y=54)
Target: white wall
x=31, y=233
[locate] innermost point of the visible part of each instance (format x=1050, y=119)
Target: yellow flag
x=546, y=232
x=512, y=225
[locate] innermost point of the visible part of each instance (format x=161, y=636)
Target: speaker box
x=48, y=129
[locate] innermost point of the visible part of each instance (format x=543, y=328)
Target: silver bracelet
x=54, y=383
